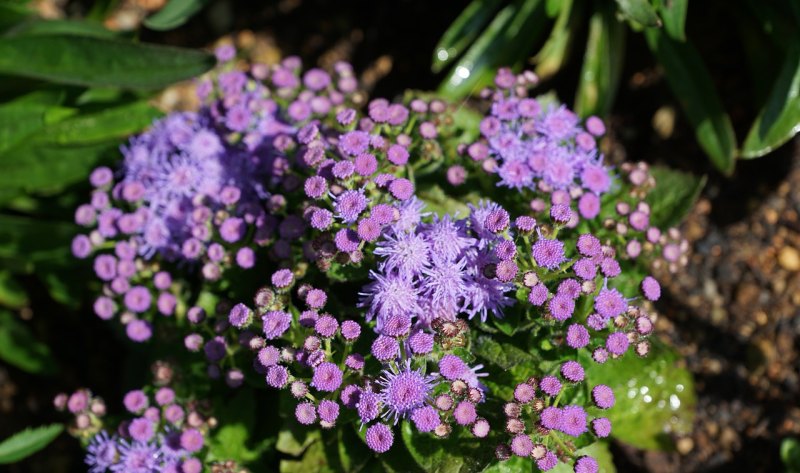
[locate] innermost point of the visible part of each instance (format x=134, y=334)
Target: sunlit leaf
x=24, y=444
x=602, y=63
x=174, y=14
x=462, y=32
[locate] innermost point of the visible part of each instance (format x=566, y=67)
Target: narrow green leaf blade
x=673, y=13
x=555, y=51
x=505, y=42
x=174, y=14
x=639, y=11
x=673, y=197
x=92, y=61
x=51, y=27
x=692, y=85
x=462, y=32
x=26, y=443
x=779, y=118
x=602, y=63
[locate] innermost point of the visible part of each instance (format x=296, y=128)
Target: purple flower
x=550, y=385
x=524, y=393
x=561, y=307
x=617, y=343
x=385, y=348
x=192, y=440
x=397, y=155
x=102, y=452
x=354, y=143
x=577, y=336
x=572, y=371
x=315, y=187
x=139, y=330
x=388, y=295
x=547, y=462
x=425, y=418
x=601, y=427
x=141, y=429
x=282, y=278
x=550, y=417
x=328, y=411
x=104, y=307
x=586, y=464
x=81, y=246
x=538, y=294
x=522, y=445
x=379, y=438
x=240, y=315
x=368, y=406
x=452, y=367
x=548, y=253
x=137, y=457
x=349, y=205
x=589, y=206
x=464, y=413
x=327, y=377
x=277, y=376
x=603, y=396
x=573, y=421
x=326, y=326
x=305, y=413
x=609, y=303
x=276, y=322
x=403, y=391
x=350, y=330
x=651, y=289
x=421, y=343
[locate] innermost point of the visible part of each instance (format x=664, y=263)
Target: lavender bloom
x=403, y=391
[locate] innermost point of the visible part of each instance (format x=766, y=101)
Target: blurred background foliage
x=78, y=77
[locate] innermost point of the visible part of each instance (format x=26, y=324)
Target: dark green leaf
x=552, y=7
x=673, y=12
x=514, y=465
x=232, y=440
x=555, y=51
x=33, y=240
x=92, y=61
x=779, y=118
x=790, y=455
x=655, y=396
x=313, y=459
x=174, y=14
x=11, y=293
x=639, y=11
x=457, y=453
x=12, y=14
x=18, y=347
x=504, y=355
x=602, y=63
x=70, y=27
x=26, y=443
x=39, y=156
x=462, y=32
x=692, y=85
x=505, y=42
x=673, y=197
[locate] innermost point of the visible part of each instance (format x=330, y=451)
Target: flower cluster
x=383, y=288
x=166, y=435
x=541, y=147
x=542, y=430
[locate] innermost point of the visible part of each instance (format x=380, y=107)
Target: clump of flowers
x=165, y=434
x=396, y=253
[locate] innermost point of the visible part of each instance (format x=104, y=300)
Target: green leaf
x=505, y=42
x=655, y=396
x=92, y=61
x=555, y=51
x=174, y=14
x=294, y=440
x=24, y=444
x=458, y=453
x=639, y=11
x=40, y=155
x=673, y=12
x=504, y=355
x=790, y=455
x=599, y=451
x=50, y=27
x=313, y=459
x=18, y=347
x=673, y=197
x=513, y=465
x=602, y=63
x=12, y=14
x=11, y=293
x=692, y=85
x=437, y=201
x=779, y=118
x=462, y=32
x=231, y=441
